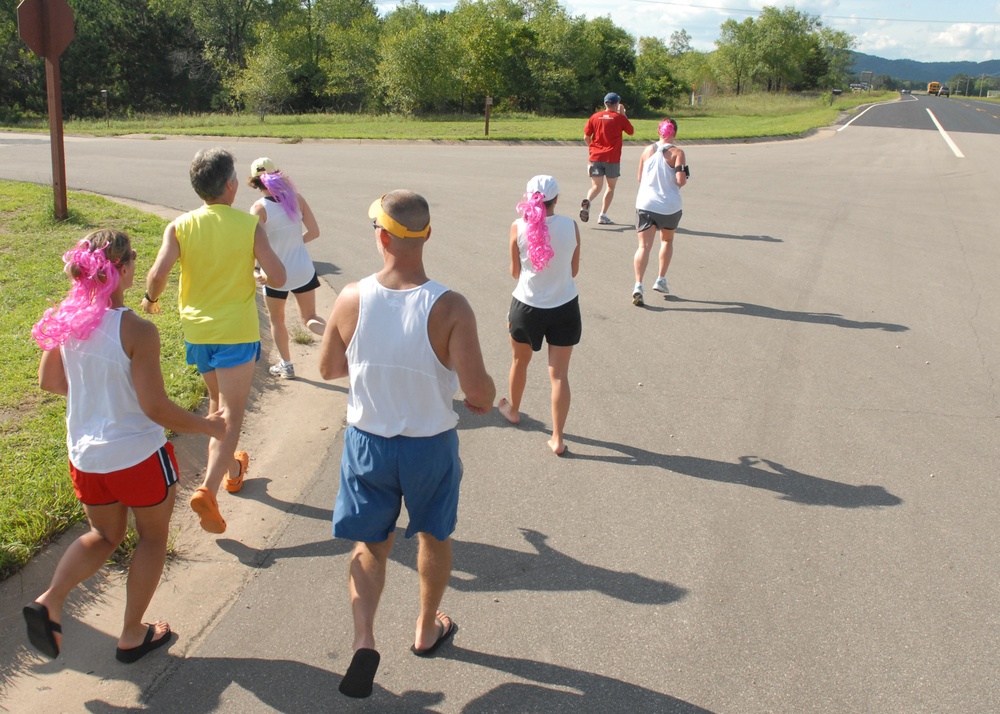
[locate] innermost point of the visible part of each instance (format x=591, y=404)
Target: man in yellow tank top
x=216, y=246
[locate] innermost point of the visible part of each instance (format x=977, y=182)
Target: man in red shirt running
x=603, y=135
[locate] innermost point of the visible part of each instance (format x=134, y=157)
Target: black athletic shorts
x=283, y=294
x=559, y=326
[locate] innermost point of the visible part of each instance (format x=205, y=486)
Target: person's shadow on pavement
x=591, y=692
x=480, y=567
x=794, y=486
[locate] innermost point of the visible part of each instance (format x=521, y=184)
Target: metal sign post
x=46, y=26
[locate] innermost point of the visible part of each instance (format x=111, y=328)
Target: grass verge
x=722, y=117
x=36, y=497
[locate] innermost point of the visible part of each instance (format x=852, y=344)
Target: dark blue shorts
x=378, y=473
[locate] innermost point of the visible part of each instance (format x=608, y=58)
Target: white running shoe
x=604, y=220
x=637, y=296
x=661, y=286
x=285, y=371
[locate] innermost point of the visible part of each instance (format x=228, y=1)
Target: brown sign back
x=46, y=26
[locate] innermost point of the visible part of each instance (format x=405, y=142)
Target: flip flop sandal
x=41, y=630
x=446, y=633
x=134, y=654
x=360, y=676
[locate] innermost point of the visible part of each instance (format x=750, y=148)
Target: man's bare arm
x=339, y=332
x=465, y=355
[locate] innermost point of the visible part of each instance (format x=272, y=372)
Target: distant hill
x=911, y=70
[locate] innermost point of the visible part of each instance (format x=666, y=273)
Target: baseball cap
x=394, y=227
x=545, y=185
x=262, y=165
x=611, y=98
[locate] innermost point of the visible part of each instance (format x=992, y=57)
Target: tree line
x=299, y=56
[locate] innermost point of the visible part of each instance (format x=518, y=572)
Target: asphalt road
x=780, y=493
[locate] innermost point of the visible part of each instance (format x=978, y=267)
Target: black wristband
x=149, y=298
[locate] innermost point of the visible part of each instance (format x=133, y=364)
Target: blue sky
x=938, y=31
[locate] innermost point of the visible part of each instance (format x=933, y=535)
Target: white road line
x=958, y=152
x=856, y=118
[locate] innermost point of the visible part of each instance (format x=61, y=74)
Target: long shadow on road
x=793, y=485
x=480, y=567
x=751, y=471
x=205, y=685
x=772, y=313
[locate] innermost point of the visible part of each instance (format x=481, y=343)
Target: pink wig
x=282, y=190
x=667, y=129
x=94, y=279
x=532, y=210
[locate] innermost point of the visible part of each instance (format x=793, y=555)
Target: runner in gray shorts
x=644, y=220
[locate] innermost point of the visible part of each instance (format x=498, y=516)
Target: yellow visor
x=390, y=224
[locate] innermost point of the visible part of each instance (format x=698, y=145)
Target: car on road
x=944, y=92
x=904, y=90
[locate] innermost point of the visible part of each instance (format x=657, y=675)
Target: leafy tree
x=680, y=43
x=492, y=44
x=264, y=84
x=658, y=88
x=783, y=38
x=350, y=31
x=22, y=81
x=559, y=53
x=738, y=54
x=837, y=46
x=614, y=69
x=416, y=60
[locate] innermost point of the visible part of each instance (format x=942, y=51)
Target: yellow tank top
x=218, y=298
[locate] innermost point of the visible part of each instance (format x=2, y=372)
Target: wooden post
x=46, y=26
x=56, y=138
x=489, y=103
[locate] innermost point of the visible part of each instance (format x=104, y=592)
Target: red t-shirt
x=606, y=127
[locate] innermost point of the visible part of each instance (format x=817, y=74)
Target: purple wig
x=282, y=190
x=94, y=279
x=532, y=210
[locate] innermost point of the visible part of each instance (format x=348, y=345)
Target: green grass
x=36, y=496
x=719, y=117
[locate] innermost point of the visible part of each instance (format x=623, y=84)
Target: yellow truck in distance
x=933, y=88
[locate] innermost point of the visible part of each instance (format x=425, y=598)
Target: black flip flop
x=134, y=654
x=445, y=635
x=360, y=676
x=41, y=630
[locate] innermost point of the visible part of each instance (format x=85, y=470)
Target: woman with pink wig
x=662, y=172
x=544, y=259
x=290, y=224
x=105, y=360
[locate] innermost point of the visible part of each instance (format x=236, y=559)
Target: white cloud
x=872, y=43
x=969, y=37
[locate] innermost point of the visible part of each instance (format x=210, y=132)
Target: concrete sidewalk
x=287, y=423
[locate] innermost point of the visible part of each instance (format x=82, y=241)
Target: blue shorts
x=208, y=358
x=377, y=473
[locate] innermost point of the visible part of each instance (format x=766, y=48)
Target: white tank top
x=106, y=429
x=285, y=236
x=553, y=285
x=658, y=189
x=398, y=385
